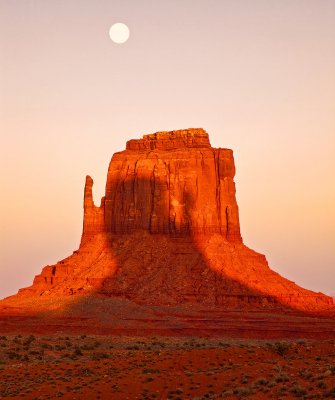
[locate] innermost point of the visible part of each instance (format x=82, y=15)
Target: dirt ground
x=119, y=367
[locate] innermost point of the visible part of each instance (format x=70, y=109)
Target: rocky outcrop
x=167, y=232
x=94, y=217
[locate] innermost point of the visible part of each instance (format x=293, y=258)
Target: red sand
x=108, y=367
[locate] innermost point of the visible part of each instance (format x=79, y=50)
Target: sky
x=257, y=75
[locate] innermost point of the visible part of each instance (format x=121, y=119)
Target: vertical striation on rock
x=173, y=183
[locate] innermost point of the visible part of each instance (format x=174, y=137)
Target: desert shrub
x=151, y=371
x=281, y=378
x=281, y=348
x=132, y=347
x=98, y=356
x=46, y=346
x=12, y=352
x=88, y=346
x=242, y=391
x=30, y=338
x=298, y=391
x=307, y=375
x=221, y=344
x=77, y=352
x=13, y=356
x=85, y=371
x=261, y=381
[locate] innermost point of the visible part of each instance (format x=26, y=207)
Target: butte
x=166, y=236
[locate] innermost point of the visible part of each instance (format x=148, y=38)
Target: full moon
x=119, y=33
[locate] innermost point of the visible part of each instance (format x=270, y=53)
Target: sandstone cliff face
x=167, y=232
x=169, y=182
x=172, y=183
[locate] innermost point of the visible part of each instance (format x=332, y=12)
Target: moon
x=119, y=33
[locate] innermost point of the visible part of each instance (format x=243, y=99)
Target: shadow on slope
x=173, y=282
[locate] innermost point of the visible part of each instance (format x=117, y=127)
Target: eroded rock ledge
x=171, y=140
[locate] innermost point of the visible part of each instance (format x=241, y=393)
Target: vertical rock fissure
x=217, y=187
x=152, y=184
x=227, y=222
x=169, y=194
x=218, y=191
x=135, y=206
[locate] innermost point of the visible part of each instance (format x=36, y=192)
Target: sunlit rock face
x=167, y=232
x=172, y=183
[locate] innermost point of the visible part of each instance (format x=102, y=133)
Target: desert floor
x=120, y=367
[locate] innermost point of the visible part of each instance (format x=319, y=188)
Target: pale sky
x=258, y=75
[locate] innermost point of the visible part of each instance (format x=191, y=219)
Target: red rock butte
x=167, y=232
